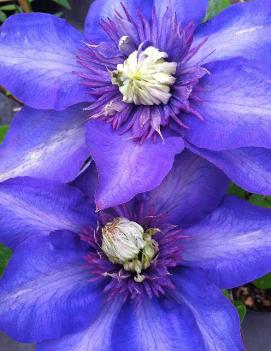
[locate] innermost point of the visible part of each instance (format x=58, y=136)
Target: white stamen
x=145, y=77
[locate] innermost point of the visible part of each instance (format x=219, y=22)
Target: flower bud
x=122, y=240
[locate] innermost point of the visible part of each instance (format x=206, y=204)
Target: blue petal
x=95, y=338
x=46, y=144
x=38, y=60
x=241, y=30
x=193, y=188
x=102, y=9
x=198, y=318
x=248, y=167
x=31, y=207
x=87, y=181
x=186, y=10
x=125, y=167
x=233, y=244
x=235, y=106
x=46, y=290
x=214, y=314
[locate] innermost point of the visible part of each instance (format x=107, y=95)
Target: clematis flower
x=143, y=82
x=145, y=275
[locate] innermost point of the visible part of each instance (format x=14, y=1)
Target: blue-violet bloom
x=144, y=276
x=143, y=82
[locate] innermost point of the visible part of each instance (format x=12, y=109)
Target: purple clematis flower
x=145, y=80
x=145, y=275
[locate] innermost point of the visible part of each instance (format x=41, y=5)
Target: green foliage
x=216, y=6
x=241, y=308
x=3, y=131
x=264, y=282
x=260, y=200
x=235, y=190
x=7, y=10
x=3, y=16
x=5, y=254
x=63, y=3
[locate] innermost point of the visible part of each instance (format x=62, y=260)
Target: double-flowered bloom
x=145, y=275
x=132, y=254
x=143, y=82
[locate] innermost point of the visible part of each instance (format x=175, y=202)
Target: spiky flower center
x=126, y=243
x=145, y=77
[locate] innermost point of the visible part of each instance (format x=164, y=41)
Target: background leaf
x=235, y=190
x=64, y=3
x=241, y=308
x=264, y=282
x=260, y=200
x=216, y=6
x=5, y=254
x=3, y=16
x=3, y=131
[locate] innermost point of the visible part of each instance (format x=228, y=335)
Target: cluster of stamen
x=142, y=77
x=125, y=243
x=133, y=251
x=145, y=77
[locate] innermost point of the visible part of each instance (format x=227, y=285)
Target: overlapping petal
x=102, y=9
x=87, y=181
x=248, y=167
x=215, y=316
x=38, y=59
x=46, y=290
x=125, y=167
x=45, y=144
x=95, y=338
x=31, y=207
x=186, y=10
x=200, y=318
x=235, y=106
x=240, y=30
x=193, y=188
x=233, y=244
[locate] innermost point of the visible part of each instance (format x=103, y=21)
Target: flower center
x=126, y=243
x=145, y=77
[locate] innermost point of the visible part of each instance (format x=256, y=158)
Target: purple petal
x=46, y=144
x=200, y=318
x=125, y=167
x=102, y=9
x=186, y=10
x=233, y=244
x=96, y=338
x=87, y=181
x=31, y=207
x=38, y=59
x=241, y=30
x=46, y=290
x=235, y=106
x=217, y=319
x=248, y=167
x=180, y=195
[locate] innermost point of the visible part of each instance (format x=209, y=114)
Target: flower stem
x=10, y=96
x=25, y=5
